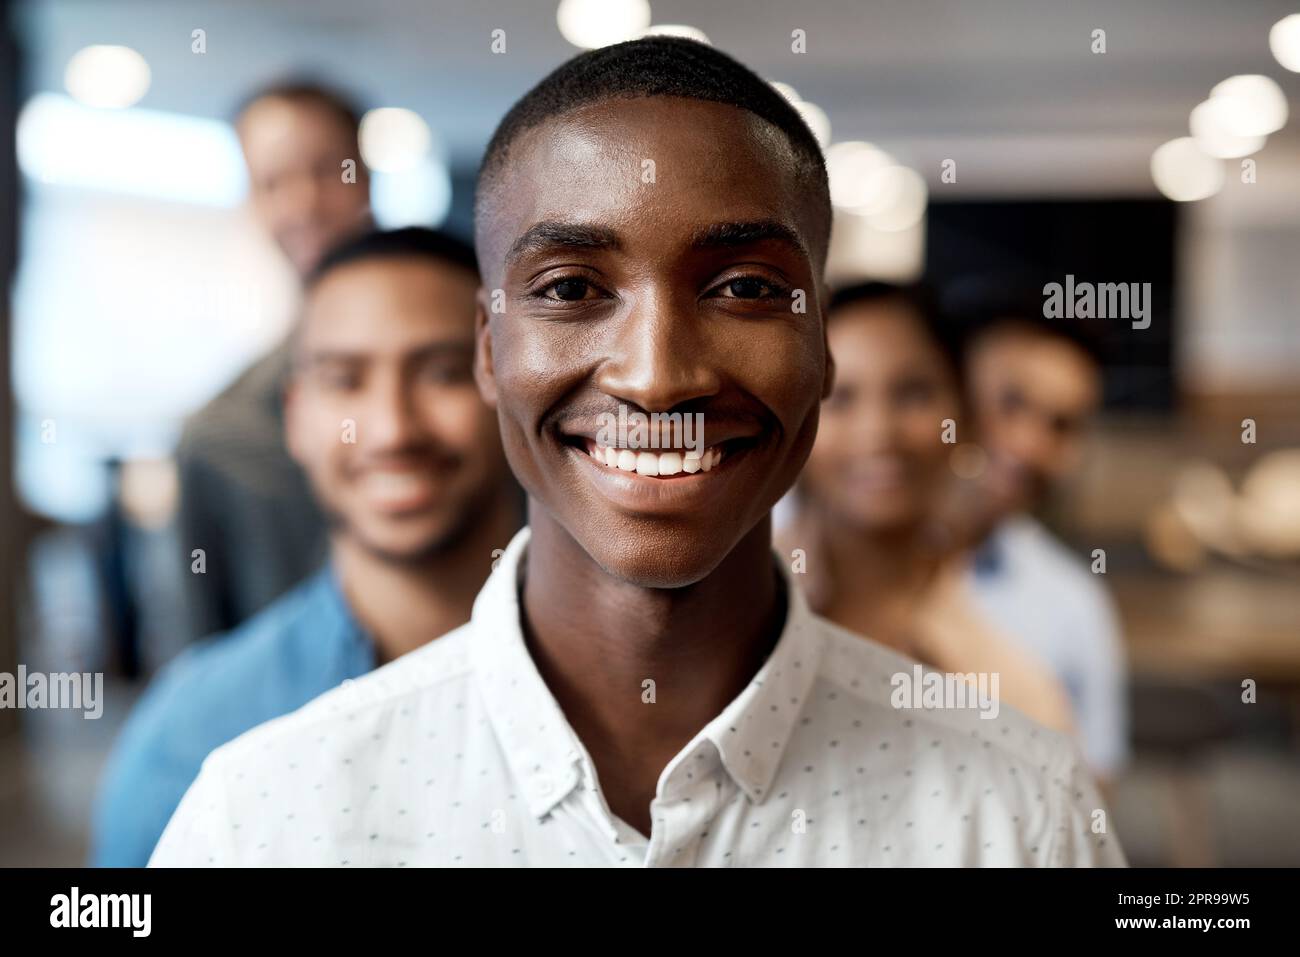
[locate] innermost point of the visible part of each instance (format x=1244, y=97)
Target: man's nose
x=391, y=419
x=1032, y=441
x=303, y=197
x=660, y=355
x=869, y=425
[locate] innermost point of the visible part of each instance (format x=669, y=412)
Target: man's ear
x=484, y=372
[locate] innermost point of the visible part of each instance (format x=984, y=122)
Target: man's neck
x=403, y=605
x=639, y=671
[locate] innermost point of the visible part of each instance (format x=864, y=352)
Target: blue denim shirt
x=301, y=646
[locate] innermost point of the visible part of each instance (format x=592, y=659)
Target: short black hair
x=414, y=242
x=660, y=66
x=304, y=89
x=921, y=302
x=987, y=305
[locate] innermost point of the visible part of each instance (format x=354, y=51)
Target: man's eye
x=914, y=393
x=840, y=398
x=447, y=373
x=336, y=377
x=568, y=290
x=1065, y=425
x=337, y=381
x=748, y=287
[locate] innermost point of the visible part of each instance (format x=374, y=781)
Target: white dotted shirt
x=457, y=754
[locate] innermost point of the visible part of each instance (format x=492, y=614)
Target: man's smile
x=667, y=481
x=402, y=488
x=654, y=464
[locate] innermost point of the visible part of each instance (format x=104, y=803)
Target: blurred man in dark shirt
x=244, y=502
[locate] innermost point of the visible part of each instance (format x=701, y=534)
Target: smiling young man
x=403, y=456
x=640, y=684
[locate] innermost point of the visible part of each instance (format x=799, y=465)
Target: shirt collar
x=540, y=746
x=996, y=555
x=544, y=753
x=753, y=732
x=989, y=557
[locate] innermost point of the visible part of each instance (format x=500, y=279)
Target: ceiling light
x=111, y=77
x=597, y=23
x=1183, y=172
x=1284, y=41
x=393, y=139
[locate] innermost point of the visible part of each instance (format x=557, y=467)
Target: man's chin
x=405, y=549
x=660, y=558
x=303, y=261
x=1007, y=494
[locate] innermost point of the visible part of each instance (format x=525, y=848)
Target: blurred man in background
x=1034, y=388
x=405, y=459
x=244, y=502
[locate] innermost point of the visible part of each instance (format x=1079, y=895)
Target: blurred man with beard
x=404, y=458
x=244, y=502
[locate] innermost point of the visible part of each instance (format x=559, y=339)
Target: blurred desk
x=1225, y=623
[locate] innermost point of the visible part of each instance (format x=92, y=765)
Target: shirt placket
x=619, y=844
x=680, y=815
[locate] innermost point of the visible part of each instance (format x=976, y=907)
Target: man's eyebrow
x=555, y=233
x=747, y=233
x=317, y=356
x=453, y=348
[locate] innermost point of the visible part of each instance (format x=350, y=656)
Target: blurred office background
x=968, y=140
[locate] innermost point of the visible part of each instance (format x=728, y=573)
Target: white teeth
x=395, y=484
x=655, y=464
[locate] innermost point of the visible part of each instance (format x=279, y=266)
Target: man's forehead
x=667, y=163
x=273, y=125
x=408, y=288
x=1046, y=370
x=342, y=334
x=606, y=127
x=272, y=118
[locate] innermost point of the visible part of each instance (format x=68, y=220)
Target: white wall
x=128, y=315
